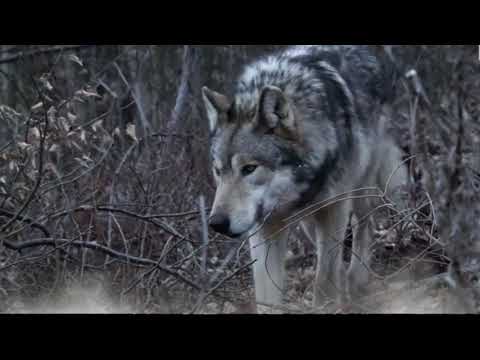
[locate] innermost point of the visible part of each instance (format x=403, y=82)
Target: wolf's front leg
x=269, y=268
x=358, y=273
x=330, y=227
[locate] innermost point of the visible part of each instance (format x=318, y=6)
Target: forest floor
x=419, y=289
x=398, y=297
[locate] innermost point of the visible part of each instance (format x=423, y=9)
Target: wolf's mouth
x=235, y=236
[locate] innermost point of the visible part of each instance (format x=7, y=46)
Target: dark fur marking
x=320, y=178
x=259, y=214
x=304, y=173
x=289, y=158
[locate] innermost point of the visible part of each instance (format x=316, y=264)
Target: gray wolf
x=303, y=127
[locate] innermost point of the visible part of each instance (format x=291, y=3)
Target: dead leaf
x=52, y=115
x=35, y=132
x=47, y=84
x=64, y=123
x=78, y=147
x=12, y=166
x=23, y=145
x=71, y=117
x=82, y=163
x=131, y=131
x=54, y=148
x=87, y=94
x=37, y=106
x=75, y=59
x=96, y=125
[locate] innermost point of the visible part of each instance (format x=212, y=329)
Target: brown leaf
x=37, y=106
x=87, y=94
x=35, y=132
x=23, y=146
x=75, y=59
x=131, y=131
x=54, y=148
x=96, y=125
x=71, y=117
x=12, y=166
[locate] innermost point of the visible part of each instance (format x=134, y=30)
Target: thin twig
x=33, y=53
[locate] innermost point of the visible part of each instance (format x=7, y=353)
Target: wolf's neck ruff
x=318, y=179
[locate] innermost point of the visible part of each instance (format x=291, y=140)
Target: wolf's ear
x=216, y=105
x=276, y=113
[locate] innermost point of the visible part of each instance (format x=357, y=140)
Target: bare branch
x=33, y=53
x=105, y=250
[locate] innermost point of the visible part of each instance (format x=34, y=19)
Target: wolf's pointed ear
x=276, y=113
x=216, y=105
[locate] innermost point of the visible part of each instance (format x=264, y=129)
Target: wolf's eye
x=249, y=169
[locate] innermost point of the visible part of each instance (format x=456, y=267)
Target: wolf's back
x=298, y=71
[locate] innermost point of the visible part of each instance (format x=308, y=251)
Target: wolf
x=302, y=141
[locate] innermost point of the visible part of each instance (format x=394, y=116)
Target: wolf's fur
x=308, y=121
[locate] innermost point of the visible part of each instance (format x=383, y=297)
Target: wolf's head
x=256, y=151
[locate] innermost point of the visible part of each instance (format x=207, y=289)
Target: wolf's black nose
x=220, y=224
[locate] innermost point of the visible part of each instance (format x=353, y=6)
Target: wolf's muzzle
x=220, y=224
